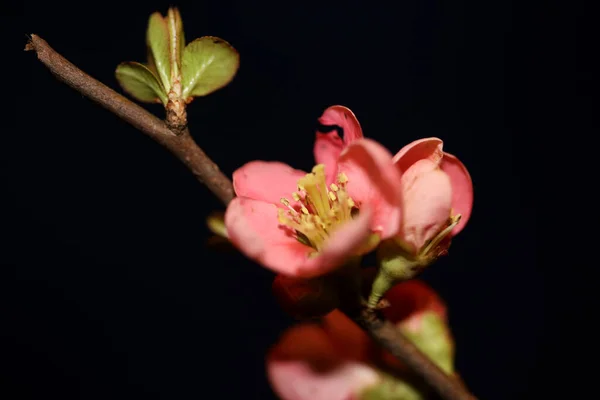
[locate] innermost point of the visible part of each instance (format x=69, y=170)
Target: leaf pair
x=200, y=68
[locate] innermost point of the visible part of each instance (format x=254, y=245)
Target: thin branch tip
x=29, y=46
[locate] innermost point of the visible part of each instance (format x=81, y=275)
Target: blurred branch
x=207, y=172
x=390, y=338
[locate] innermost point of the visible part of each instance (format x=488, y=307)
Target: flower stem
x=381, y=285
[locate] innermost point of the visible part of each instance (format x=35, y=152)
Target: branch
x=207, y=172
x=181, y=145
x=388, y=337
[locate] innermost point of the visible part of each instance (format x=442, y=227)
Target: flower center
x=319, y=210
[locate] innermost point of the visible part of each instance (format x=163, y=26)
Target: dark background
x=108, y=290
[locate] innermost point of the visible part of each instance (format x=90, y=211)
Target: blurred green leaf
x=157, y=39
x=137, y=80
x=392, y=388
x=434, y=340
x=208, y=64
x=216, y=223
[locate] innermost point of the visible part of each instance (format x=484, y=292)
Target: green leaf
x=216, y=223
x=157, y=39
x=176, y=39
x=208, y=64
x=434, y=340
x=137, y=80
x=392, y=388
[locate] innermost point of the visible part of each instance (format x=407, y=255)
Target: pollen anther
x=322, y=209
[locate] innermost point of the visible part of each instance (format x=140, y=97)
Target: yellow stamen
x=322, y=210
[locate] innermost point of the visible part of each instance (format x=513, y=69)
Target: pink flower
x=437, y=192
x=437, y=196
x=306, y=225
x=335, y=360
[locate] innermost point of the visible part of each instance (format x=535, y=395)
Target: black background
x=108, y=290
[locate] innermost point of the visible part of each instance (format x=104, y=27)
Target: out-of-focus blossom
x=335, y=360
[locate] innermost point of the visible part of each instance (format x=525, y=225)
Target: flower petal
x=328, y=146
x=344, y=118
x=305, y=366
x=350, y=341
x=410, y=299
x=428, y=148
x=412, y=305
x=252, y=226
x=427, y=203
x=341, y=245
x=373, y=181
x=462, y=189
x=268, y=181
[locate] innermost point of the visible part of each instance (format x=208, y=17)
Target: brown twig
x=181, y=145
x=207, y=172
x=384, y=333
